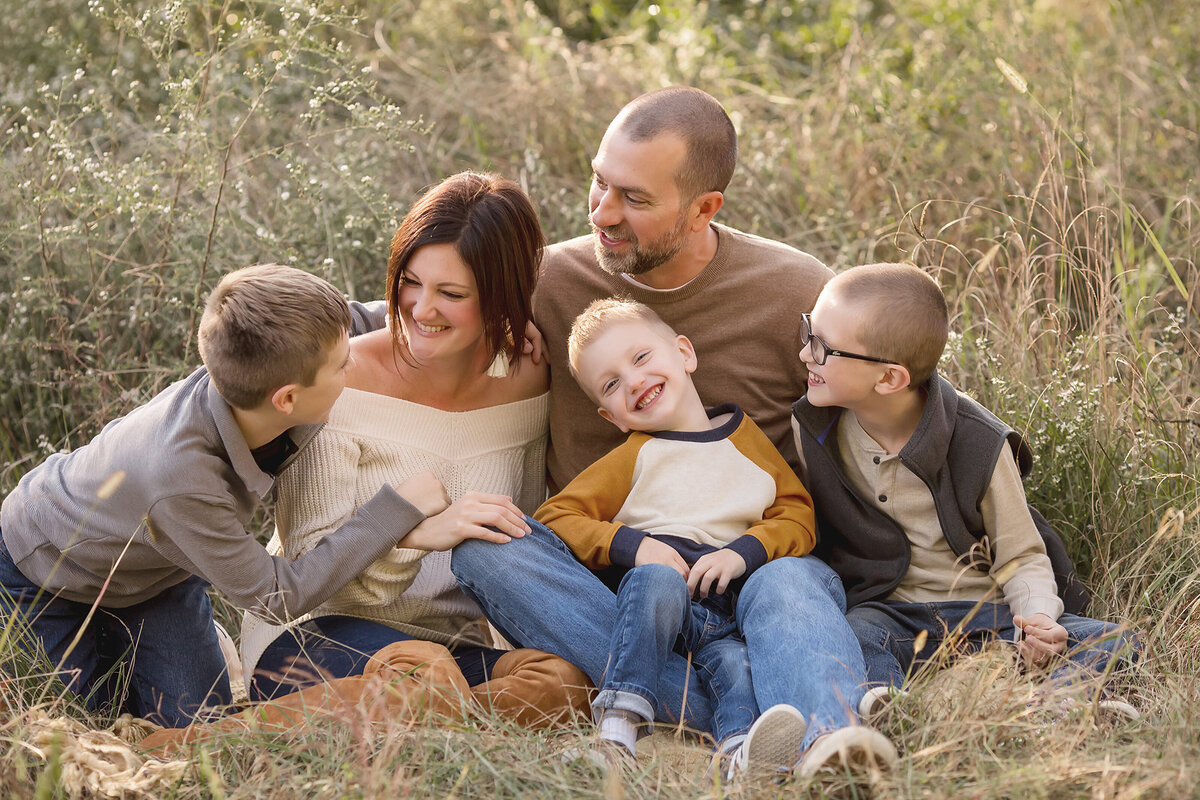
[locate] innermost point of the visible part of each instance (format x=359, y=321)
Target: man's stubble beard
x=642, y=258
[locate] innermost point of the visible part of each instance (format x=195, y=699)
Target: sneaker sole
x=774, y=740
x=856, y=750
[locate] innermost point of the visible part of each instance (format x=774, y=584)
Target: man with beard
x=658, y=180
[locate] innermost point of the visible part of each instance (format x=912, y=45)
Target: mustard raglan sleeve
x=788, y=526
x=584, y=513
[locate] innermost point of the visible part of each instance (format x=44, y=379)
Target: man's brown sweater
x=742, y=314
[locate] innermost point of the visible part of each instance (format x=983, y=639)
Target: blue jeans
x=791, y=614
x=338, y=647
x=887, y=632
x=165, y=649
x=537, y=595
x=653, y=611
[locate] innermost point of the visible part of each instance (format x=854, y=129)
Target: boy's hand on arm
x=425, y=492
x=1042, y=639
x=472, y=516
x=714, y=571
x=652, y=551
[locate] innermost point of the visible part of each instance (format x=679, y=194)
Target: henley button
x=876, y=459
x=883, y=498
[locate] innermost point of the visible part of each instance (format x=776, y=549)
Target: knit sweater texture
x=742, y=314
x=372, y=440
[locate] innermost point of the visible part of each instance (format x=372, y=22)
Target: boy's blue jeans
x=165, y=647
x=791, y=614
x=887, y=632
x=653, y=611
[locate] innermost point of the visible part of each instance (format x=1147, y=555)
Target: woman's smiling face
x=439, y=304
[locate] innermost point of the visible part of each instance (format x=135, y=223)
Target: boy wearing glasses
x=918, y=495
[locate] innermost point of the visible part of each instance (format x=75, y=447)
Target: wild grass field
x=1041, y=157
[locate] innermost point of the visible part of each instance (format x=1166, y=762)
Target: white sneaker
x=858, y=750
x=876, y=701
x=1108, y=711
x=1116, y=711
x=772, y=744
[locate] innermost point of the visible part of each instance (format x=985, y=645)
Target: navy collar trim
x=722, y=431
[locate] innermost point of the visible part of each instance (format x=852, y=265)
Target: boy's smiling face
x=641, y=379
x=845, y=382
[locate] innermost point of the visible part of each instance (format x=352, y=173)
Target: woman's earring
x=499, y=366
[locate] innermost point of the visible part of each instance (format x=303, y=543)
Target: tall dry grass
x=1056, y=201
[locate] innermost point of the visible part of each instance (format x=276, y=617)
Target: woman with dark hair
x=444, y=398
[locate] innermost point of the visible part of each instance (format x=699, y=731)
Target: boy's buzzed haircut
x=696, y=117
x=599, y=316
x=904, y=314
x=267, y=326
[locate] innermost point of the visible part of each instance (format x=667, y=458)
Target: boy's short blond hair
x=601, y=315
x=903, y=314
x=267, y=326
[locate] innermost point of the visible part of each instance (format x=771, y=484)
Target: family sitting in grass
x=803, y=513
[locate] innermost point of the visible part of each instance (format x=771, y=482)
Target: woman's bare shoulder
x=527, y=379
x=372, y=360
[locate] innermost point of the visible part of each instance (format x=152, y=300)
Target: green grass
x=147, y=147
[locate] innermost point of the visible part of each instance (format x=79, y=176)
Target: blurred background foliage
x=148, y=146
x=1039, y=156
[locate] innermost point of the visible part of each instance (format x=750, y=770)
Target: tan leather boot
x=402, y=681
x=535, y=689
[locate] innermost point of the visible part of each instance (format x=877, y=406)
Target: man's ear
x=704, y=208
x=895, y=378
x=283, y=399
x=690, y=362
x=604, y=413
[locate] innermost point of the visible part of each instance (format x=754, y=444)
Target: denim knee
x=657, y=585
x=807, y=579
x=1100, y=645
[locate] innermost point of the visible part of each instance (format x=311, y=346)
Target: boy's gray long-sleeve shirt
x=190, y=488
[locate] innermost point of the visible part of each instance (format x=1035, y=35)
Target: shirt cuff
x=751, y=550
x=390, y=514
x=624, y=547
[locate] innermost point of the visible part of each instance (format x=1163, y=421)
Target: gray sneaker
x=772, y=745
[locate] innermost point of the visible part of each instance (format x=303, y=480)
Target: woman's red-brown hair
x=494, y=229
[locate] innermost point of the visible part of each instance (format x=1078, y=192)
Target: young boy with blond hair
x=918, y=494
x=106, y=552
x=690, y=505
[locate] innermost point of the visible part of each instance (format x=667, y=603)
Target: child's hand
x=720, y=566
x=652, y=551
x=425, y=492
x=472, y=516
x=1042, y=639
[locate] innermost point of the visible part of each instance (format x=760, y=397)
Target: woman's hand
x=425, y=492
x=472, y=516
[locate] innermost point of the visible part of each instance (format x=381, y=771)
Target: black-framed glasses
x=821, y=351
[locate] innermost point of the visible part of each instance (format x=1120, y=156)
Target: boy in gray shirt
x=106, y=552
